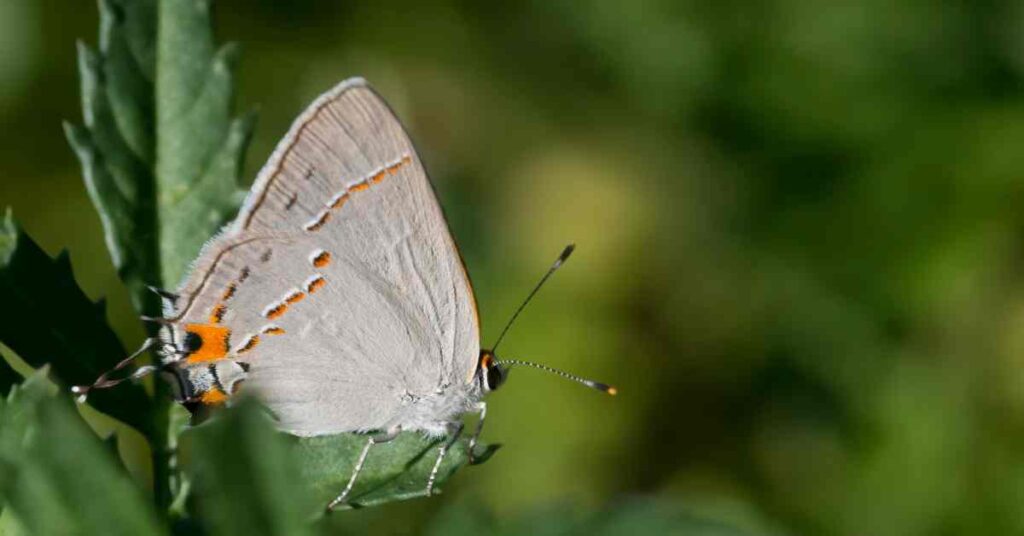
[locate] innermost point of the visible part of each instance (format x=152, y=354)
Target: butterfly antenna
x=104, y=381
x=165, y=295
x=558, y=264
x=603, y=387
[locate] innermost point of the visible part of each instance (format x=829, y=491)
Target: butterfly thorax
x=432, y=413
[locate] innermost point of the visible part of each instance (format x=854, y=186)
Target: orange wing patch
x=213, y=397
x=340, y=200
x=276, y=311
x=218, y=313
x=322, y=220
x=393, y=168
x=342, y=197
x=213, y=342
x=315, y=284
x=249, y=344
x=229, y=292
x=320, y=258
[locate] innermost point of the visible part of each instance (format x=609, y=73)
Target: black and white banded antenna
x=508, y=363
x=554, y=267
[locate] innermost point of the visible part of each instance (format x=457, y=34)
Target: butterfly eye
x=192, y=342
x=495, y=376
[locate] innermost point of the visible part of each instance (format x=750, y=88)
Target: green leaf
x=160, y=151
x=8, y=378
x=55, y=474
x=160, y=155
x=200, y=148
x=54, y=322
x=396, y=470
x=116, y=146
x=241, y=463
x=245, y=476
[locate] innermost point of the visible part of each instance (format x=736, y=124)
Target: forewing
x=339, y=282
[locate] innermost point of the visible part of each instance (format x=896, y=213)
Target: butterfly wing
x=339, y=283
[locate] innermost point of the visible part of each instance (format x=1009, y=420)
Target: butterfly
x=337, y=296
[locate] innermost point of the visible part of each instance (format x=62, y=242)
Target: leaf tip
x=8, y=236
x=69, y=130
x=111, y=11
x=226, y=59
x=483, y=456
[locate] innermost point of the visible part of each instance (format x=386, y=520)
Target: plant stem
x=161, y=450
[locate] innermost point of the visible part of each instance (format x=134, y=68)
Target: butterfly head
x=490, y=372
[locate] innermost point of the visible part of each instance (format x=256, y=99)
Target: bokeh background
x=799, y=226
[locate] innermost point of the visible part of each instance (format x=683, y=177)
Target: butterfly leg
x=373, y=440
x=482, y=409
x=454, y=432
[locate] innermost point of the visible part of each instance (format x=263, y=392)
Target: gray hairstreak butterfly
x=337, y=296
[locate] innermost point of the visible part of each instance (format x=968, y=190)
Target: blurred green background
x=799, y=226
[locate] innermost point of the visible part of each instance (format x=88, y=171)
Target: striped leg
x=482, y=408
x=373, y=440
x=454, y=432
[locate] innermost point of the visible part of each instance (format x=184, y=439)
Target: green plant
x=161, y=155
